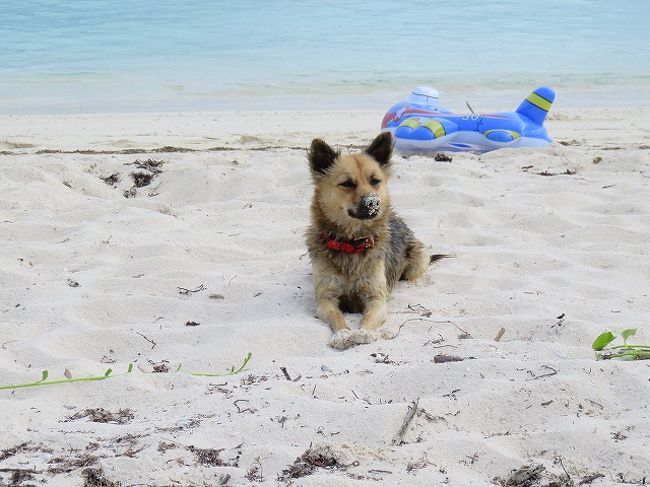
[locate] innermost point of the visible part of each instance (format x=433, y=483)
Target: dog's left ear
x=381, y=149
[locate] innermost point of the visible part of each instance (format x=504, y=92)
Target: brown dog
x=359, y=248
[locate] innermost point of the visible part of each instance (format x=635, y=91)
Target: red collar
x=356, y=246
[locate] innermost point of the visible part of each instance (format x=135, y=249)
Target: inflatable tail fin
x=536, y=105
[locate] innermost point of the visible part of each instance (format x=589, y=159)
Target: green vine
x=109, y=374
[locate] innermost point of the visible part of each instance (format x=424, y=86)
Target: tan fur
x=357, y=282
x=333, y=201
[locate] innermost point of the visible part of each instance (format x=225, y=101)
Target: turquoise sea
x=98, y=56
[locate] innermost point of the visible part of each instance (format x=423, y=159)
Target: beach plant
x=232, y=370
x=45, y=374
x=109, y=374
x=625, y=351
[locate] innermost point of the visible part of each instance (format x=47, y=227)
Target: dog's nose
x=368, y=206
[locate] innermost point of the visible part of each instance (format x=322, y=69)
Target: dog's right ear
x=381, y=149
x=321, y=156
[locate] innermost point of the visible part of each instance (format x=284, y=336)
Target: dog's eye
x=348, y=184
x=375, y=181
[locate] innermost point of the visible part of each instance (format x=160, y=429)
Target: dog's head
x=351, y=189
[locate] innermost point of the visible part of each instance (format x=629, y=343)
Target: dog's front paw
x=344, y=339
x=341, y=340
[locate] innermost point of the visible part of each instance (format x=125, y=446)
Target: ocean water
x=98, y=56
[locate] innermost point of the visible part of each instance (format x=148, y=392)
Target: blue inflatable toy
x=419, y=124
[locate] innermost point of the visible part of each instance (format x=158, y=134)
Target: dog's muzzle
x=367, y=208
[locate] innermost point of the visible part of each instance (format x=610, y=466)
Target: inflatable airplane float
x=419, y=124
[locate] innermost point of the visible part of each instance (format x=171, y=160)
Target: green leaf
x=231, y=372
x=130, y=369
x=45, y=374
x=603, y=340
x=108, y=372
x=627, y=334
x=179, y=367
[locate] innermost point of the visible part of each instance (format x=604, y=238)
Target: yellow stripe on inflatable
x=435, y=127
x=539, y=101
x=410, y=122
x=512, y=133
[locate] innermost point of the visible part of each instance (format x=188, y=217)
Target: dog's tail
x=436, y=257
x=536, y=105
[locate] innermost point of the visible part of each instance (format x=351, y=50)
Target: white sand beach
x=552, y=245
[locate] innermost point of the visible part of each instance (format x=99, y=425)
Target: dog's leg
x=417, y=260
x=375, y=314
x=328, y=286
x=373, y=292
x=329, y=312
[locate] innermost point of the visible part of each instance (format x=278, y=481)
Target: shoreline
x=454, y=95
x=251, y=130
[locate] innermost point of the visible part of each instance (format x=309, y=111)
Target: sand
x=551, y=245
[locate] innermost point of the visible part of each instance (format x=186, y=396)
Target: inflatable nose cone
x=425, y=96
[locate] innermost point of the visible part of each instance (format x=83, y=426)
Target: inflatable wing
x=419, y=126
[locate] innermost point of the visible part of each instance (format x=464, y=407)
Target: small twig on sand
x=286, y=374
x=437, y=341
x=590, y=478
x=499, y=336
x=596, y=404
x=427, y=320
x=442, y=358
x=418, y=308
x=183, y=290
x=153, y=344
x=553, y=372
x=240, y=410
x=440, y=346
x=410, y=414
x=361, y=398
x=21, y=470
x=559, y=460
x=452, y=394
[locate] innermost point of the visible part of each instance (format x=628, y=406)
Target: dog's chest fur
x=392, y=238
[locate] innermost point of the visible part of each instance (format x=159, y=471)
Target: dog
x=358, y=246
